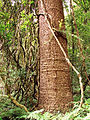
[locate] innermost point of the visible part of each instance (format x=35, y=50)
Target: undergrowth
x=9, y=111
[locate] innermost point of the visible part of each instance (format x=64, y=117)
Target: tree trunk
x=55, y=83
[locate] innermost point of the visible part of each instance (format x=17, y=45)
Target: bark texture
x=55, y=83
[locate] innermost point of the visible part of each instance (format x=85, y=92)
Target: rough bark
x=55, y=83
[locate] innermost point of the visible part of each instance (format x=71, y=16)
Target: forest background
x=19, y=59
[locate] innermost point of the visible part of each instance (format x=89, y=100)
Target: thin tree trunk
x=55, y=83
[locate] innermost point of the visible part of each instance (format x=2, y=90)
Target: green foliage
x=18, y=63
x=84, y=4
x=81, y=13
x=0, y=118
x=31, y=2
x=8, y=110
x=83, y=114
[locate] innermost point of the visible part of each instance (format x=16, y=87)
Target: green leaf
x=87, y=101
x=23, y=13
x=0, y=118
x=31, y=2
x=2, y=13
x=30, y=15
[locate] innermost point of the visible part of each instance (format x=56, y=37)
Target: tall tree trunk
x=55, y=83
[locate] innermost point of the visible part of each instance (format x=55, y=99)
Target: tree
x=55, y=83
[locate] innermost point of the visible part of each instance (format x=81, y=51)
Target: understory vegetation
x=19, y=60
x=8, y=111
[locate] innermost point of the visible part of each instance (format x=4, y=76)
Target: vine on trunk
x=66, y=57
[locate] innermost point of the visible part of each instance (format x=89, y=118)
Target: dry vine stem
x=17, y=104
x=67, y=59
